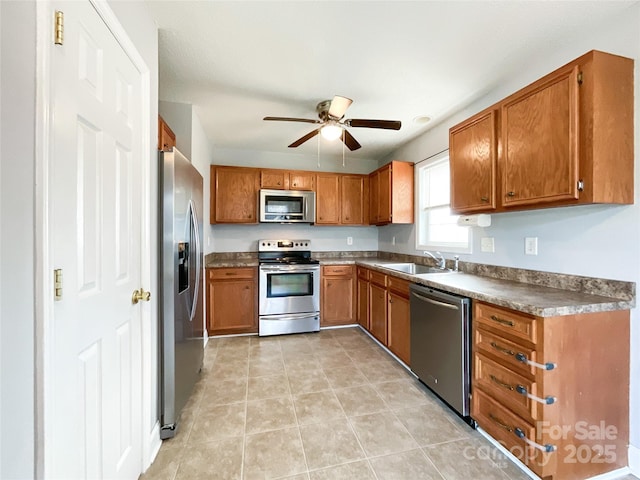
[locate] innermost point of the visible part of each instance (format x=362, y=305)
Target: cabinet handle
x=278, y=183
x=500, y=423
x=249, y=216
x=506, y=351
x=484, y=199
x=511, y=194
x=502, y=321
x=390, y=300
x=230, y=273
x=295, y=184
x=501, y=383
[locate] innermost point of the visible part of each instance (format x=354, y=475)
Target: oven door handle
x=289, y=316
x=289, y=269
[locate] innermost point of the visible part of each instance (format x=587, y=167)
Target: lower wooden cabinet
x=362, y=302
x=378, y=306
x=399, y=319
x=559, y=384
x=232, y=295
x=337, y=295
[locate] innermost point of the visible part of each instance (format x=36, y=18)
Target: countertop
x=539, y=300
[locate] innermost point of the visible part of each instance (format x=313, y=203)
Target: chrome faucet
x=441, y=262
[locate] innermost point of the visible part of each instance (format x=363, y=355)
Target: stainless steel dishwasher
x=440, y=344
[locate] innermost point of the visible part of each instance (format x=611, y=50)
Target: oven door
x=289, y=289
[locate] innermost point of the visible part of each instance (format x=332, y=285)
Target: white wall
x=239, y=238
x=599, y=241
x=18, y=79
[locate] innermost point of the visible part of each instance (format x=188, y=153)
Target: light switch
x=487, y=245
x=531, y=246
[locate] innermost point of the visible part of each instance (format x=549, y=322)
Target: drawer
x=514, y=324
x=501, y=383
x=398, y=285
x=503, y=351
x=231, y=273
x=344, y=270
x=502, y=424
x=378, y=278
x=363, y=273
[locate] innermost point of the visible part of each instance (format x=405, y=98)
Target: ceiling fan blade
x=338, y=106
x=301, y=140
x=289, y=119
x=351, y=143
x=386, y=124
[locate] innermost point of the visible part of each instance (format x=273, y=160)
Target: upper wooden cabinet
x=473, y=152
x=166, y=137
x=391, y=194
x=301, y=180
x=340, y=199
x=234, y=194
x=566, y=139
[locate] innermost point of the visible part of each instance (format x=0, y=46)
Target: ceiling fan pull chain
x=318, y=151
x=343, y=146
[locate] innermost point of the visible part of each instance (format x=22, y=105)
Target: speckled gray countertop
x=538, y=293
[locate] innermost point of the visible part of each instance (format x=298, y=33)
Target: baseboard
x=634, y=460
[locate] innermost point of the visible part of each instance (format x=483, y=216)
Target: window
x=436, y=227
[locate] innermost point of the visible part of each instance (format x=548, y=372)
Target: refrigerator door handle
x=194, y=224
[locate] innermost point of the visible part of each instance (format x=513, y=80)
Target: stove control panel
x=283, y=245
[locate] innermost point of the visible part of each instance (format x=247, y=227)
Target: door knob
x=139, y=295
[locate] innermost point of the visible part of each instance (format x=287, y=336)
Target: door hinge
x=59, y=28
x=580, y=185
x=580, y=78
x=57, y=284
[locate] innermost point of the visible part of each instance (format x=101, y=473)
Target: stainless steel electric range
x=289, y=287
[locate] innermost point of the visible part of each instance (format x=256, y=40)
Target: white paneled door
x=93, y=408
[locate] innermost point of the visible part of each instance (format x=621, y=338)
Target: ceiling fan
x=333, y=125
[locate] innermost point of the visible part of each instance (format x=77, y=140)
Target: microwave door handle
x=306, y=208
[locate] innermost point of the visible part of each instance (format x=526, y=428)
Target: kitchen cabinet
x=391, y=194
x=234, y=194
x=362, y=301
x=399, y=319
x=340, y=199
x=378, y=305
x=473, y=152
x=583, y=386
x=337, y=294
x=301, y=180
x=232, y=300
x=166, y=137
x=274, y=179
x=566, y=139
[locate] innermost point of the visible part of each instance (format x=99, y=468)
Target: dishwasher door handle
x=435, y=302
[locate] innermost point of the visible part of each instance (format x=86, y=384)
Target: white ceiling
x=238, y=61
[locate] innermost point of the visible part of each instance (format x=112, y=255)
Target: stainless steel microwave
x=287, y=206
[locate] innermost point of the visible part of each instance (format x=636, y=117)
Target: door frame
x=43, y=287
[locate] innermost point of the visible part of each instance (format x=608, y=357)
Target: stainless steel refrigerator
x=181, y=318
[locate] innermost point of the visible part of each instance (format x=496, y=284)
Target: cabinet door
x=540, y=142
x=472, y=161
x=166, y=137
x=399, y=332
x=234, y=195
x=384, y=195
x=273, y=179
x=374, y=209
x=327, y=199
x=363, y=303
x=352, y=199
x=231, y=305
x=337, y=300
x=378, y=312
x=301, y=180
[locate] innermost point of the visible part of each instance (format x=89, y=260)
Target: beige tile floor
x=327, y=405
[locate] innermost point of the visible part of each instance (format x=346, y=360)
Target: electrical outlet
x=349, y=240
x=393, y=240
x=531, y=246
x=487, y=245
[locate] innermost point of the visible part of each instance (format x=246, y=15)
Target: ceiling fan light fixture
x=331, y=132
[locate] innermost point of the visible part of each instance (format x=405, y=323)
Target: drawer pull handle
x=506, y=351
x=502, y=321
x=502, y=384
x=500, y=423
x=230, y=273
x=548, y=400
x=547, y=447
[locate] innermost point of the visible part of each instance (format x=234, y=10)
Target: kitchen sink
x=411, y=268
